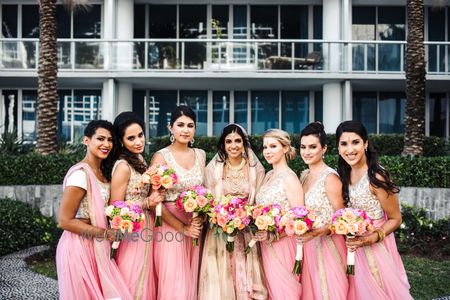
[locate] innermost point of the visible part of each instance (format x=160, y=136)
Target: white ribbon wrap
x=158, y=210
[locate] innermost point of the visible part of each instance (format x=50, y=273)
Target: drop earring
x=191, y=142
x=171, y=138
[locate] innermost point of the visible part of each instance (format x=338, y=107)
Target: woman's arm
x=294, y=190
x=191, y=230
x=119, y=181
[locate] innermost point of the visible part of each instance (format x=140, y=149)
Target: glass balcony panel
x=389, y=57
x=18, y=54
x=126, y=55
x=162, y=55
x=194, y=55
x=64, y=55
x=89, y=55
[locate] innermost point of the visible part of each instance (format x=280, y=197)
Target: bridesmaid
x=235, y=170
x=324, y=262
x=84, y=268
x=176, y=259
x=134, y=257
x=280, y=186
x=379, y=271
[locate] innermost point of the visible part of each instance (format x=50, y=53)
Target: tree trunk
x=47, y=75
x=415, y=80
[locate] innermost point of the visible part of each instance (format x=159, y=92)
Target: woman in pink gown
x=134, y=257
x=84, y=268
x=235, y=171
x=379, y=271
x=280, y=186
x=176, y=259
x=324, y=257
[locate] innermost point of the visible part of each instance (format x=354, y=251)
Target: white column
x=109, y=100
x=332, y=25
x=347, y=31
x=108, y=29
x=348, y=102
x=124, y=97
x=124, y=31
x=332, y=106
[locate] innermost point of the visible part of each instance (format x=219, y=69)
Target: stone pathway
x=17, y=281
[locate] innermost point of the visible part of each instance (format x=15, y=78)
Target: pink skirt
x=324, y=269
x=176, y=260
x=77, y=268
x=379, y=272
x=135, y=262
x=278, y=261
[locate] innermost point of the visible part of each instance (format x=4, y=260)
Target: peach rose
x=240, y=213
x=190, y=205
x=237, y=222
x=290, y=228
x=257, y=211
x=166, y=182
x=115, y=222
x=362, y=227
x=352, y=228
x=230, y=230
x=221, y=221
x=300, y=227
x=340, y=228
x=126, y=225
x=201, y=201
x=349, y=216
x=261, y=223
x=284, y=220
x=242, y=226
x=156, y=181
x=312, y=216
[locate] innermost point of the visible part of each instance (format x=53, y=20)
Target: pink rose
x=115, y=222
x=290, y=228
x=201, y=201
x=156, y=181
x=257, y=211
x=221, y=221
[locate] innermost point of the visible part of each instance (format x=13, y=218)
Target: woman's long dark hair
x=226, y=131
x=89, y=132
x=374, y=166
x=121, y=123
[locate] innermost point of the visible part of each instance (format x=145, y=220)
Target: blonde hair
x=284, y=139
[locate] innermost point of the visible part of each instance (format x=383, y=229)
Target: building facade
x=259, y=63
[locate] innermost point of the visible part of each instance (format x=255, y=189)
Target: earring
x=192, y=142
x=171, y=138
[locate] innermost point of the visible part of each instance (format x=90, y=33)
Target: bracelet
x=381, y=234
x=105, y=234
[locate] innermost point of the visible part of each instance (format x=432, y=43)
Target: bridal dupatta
x=225, y=275
x=84, y=267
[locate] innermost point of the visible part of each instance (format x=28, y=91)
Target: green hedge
x=385, y=144
x=24, y=227
x=32, y=168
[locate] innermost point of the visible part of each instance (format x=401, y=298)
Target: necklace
x=235, y=177
x=238, y=168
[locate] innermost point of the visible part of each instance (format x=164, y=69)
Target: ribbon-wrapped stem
x=230, y=243
x=350, y=259
x=298, y=257
x=250, y=245
x=158, y=215
x=195, y=240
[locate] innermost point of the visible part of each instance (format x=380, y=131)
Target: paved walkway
x=17, y=281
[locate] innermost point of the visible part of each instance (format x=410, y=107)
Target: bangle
x=381, y=234
x=105, y=234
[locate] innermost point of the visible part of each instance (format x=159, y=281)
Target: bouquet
x=297, y=221
x=350, y=222
x=264, y=217
x=126, y=217
x=159, y=176
x=229, y=215
x=197, y=200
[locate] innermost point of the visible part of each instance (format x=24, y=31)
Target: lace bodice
x=316, y=198
x=362, y=198
x=186, y=178
x=135, y=191
x=272, y=190
x=238, y=186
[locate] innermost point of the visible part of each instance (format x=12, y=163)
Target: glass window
x=30, y=21
x=86, y=107
x=294, y=25
x=64, y=114
x=317, y=29
x=139, y=21
x=391, y=26
x=29, y=115
x=365, y=109
x=318, y=106
x=438, y=114
x=295, y=111
x=265, y=111
x=436, y=32
x=139, y=103
x=162, y=21
x=363, y=28
x=87, y=24
x=9, y=21
x=392, y=112
x=220, y=25
x=221, y=111
x=193, y=25
x=62, y=22
x=160, y=107
x=241, y=108
x=198, y=101
x=264, y=25
x=239, y=32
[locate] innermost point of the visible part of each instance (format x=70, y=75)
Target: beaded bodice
x=236, y=182
x=316, y=198
x=186, y=178
x=362, y=198
x=272, y=190
x=135, y=191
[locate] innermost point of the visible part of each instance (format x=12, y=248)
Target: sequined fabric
x=272, y=191
x=362, y=198
x=135, y=191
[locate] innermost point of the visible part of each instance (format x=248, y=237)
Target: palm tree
x=415, y=80
x=47, y=109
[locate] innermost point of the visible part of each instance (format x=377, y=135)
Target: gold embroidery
x=373, y=265
x=322, y=275
x=335, y=252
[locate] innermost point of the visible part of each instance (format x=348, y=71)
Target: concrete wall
x=47, y=197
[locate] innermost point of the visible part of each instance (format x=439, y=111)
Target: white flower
x=124, y=211
x=109, y=210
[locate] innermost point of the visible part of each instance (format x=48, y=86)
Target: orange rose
x=340, y=228
x=300, y=227
x=166, y=182
x=156, y=181
x=126, y=225
x=242, y=226
x=115, y=222
x=261, y=223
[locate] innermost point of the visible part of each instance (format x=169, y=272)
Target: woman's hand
x=361, y=241
x=314, y=233
x=193, y=230
x=111, y=234
x=155, y=198
x=261, y=235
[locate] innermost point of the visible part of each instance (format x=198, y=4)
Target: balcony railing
x=224, y=55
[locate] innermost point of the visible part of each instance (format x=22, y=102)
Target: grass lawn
x=428, y=278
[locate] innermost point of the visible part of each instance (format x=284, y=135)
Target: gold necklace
x=233, y=168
